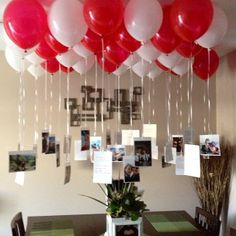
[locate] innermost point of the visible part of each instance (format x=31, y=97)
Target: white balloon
x=82, y=51
x=17, y=62
x=121, y=70
x=216, y=31
x=2, y=41
x=34, y=58
x=181, y=67
x=84, y=65
x=148, y=52
x=66, y=21
x=141, y=68
x=36, y=70
x=169, y=60
x=154, y=71
x=143, y=18
x=131, y=60
x=69, y=58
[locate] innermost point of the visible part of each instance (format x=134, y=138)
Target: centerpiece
x=124, y=206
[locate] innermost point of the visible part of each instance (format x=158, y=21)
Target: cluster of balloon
x=142, y=35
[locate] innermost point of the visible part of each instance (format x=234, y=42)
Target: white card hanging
x=20, y=178
x=79, y=155
x=192, y=160
x=128, y=136
x=102, y=167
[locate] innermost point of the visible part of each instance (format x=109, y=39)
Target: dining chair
x=17, y=225
x=207, y=221
x=232, y=231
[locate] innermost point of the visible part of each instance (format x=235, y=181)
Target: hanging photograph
x=177, y=142
x=58, y=154
x=95, y=143
x=22, y=161
x=131, y=172
x=210, y=145
x=143, y=151
x=118, y=152
x=51, y=144
x=67, y=173
x=85, y=140
x=45, y=135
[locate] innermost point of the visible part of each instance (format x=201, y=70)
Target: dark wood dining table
x=167, y=223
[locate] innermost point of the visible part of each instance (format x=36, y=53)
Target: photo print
x=210, y=145
x=85, y=140
x=108, y=137
x=45, y=135
x=67, y=173
x=51, y=144
x=22, y=161
x=58, y=154
x=177, y=143
x=143, y=151
x=118, y=152
x=131, y=172
x=95, y=143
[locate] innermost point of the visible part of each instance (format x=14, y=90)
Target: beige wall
x=226, y=117
x=44, y=192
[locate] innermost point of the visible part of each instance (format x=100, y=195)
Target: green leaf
x=95, y=199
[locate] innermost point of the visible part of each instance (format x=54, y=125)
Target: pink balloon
x=25, y=22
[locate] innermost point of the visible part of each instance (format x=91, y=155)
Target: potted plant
x=124, y=205
x=122, y=200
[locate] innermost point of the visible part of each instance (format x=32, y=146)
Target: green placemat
x=53, y=228
x=173, y=223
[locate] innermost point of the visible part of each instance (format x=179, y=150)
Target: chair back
x=210, y=223
x=232, y=232
x=17, y=225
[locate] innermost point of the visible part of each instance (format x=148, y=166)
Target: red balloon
x=190, y=19
x=51, y=65
x=44, y=51
x=92, y=41
x=166, y=40
x=115, y=53
x=205, y=63
x=160, y=65
x=66, y=69
x=25, y=22
x=54, y=44
x=126, y=41
x=103, y=16
x=188, y=49
x=105, y=64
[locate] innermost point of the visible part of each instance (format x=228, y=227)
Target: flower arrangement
x=122, y=200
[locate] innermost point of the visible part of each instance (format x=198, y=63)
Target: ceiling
x=228, y=43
